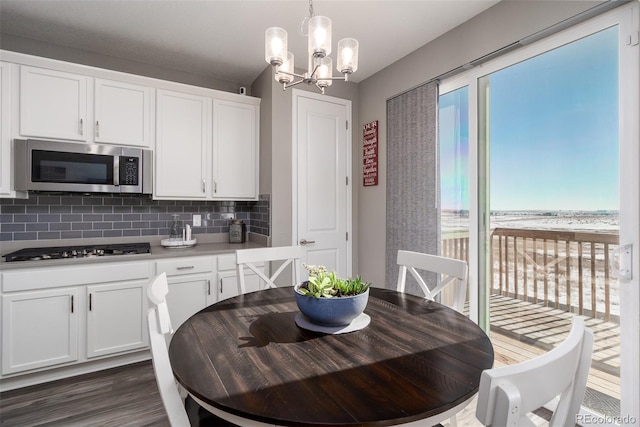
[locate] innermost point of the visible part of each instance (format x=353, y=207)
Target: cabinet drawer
x=44, y=278
x=228, y=262
x=175, y=267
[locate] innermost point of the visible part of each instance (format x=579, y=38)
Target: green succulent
x=323, y=284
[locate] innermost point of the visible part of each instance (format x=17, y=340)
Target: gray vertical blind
x=413, y=218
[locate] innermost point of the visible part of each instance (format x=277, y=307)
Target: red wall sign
x=370, y=154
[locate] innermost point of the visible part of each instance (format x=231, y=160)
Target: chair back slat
x=289, y=255
x=171, y=399
x=157, y=293
x=452, y=272
x=507, y=394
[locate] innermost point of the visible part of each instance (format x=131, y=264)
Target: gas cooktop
x=83, y=251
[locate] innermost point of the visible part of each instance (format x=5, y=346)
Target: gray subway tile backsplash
x=46, y=217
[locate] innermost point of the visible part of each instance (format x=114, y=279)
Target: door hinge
x=633, y=39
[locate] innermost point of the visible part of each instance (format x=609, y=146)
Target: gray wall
x=499, y=26
x=77, y=56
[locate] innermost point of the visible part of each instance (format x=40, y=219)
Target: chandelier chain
x=310, y=8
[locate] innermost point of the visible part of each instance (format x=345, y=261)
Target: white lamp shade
x=319, y=36
x=324, y=71
x=275, y=45
x=347, y=56
x=287, y=66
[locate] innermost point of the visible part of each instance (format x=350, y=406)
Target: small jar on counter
x=237, y=231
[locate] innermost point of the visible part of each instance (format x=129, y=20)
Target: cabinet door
x=188, y=295
x=116, y=316
x=53, y=104
x=122, y=113
x=39, y=329
x=235, y=142
x=5, y=128
x=229, y=285
x=183, y=135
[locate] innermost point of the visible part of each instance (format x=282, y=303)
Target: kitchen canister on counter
x=237, y=231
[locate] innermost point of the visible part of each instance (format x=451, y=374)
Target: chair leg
x=453, y=422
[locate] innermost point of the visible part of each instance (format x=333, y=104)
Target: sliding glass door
x=553, y=196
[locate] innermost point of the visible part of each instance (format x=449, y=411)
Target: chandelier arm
x=334, y=78
x=290, y=74
x=312, y=73
x=287, y=85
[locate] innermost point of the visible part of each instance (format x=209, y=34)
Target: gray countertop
x=206, y=246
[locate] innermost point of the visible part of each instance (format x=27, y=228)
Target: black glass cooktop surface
x=81, y=251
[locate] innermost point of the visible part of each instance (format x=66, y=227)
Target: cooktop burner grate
x=80, y=251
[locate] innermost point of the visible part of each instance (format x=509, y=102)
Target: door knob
x=306, y=242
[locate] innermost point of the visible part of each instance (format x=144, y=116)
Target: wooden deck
x=521, y=330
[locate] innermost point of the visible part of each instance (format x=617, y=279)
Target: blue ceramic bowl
x=331, y=311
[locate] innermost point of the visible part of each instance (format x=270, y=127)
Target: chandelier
x=320, y=64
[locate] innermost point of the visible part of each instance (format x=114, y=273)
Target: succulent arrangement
x=325, y=284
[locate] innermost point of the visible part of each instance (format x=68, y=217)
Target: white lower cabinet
x=190, y=287
x=116, y=318
x=228, y=283
x=64, y=315
x=39, y=329
x=193, y=285
x=55, y=319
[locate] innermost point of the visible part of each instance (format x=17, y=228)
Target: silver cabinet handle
x=209, y=287
x=81, y=127
x=204, y=186
x=187, y=267
x=97, y=128
x=306, y=242
x=215, y=186
x=221, y=285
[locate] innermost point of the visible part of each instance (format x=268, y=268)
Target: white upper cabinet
x=205, y=142
x=5, y=128
x=183, y=135
x=122, y=113
x=53, y=104
x=235, y=150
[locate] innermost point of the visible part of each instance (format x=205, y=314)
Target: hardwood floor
x=124, y=396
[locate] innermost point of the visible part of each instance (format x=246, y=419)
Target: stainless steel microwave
x=81, y=167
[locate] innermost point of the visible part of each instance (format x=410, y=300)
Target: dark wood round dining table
x=417, y=360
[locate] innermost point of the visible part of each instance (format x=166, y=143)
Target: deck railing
x=561, y=269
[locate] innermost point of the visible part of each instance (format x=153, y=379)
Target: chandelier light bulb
x=285, y=67
x=319, y=36
x=275, y=45
x=323, y=73
x=347, y=56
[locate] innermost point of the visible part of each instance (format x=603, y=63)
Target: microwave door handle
x=116, y=171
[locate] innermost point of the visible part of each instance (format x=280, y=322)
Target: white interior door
x=321, y=170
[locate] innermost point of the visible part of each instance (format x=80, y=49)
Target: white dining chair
x=452, y=272
x=175, y=403
x=249, y=258
x=508, y=394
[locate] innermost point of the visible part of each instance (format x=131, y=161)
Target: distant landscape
x=605, y=221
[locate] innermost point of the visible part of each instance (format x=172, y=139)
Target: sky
x=553, y=132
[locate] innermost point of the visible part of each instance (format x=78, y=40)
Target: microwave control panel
x=129, y=170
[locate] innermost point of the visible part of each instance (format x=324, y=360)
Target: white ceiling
x=224, y=39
